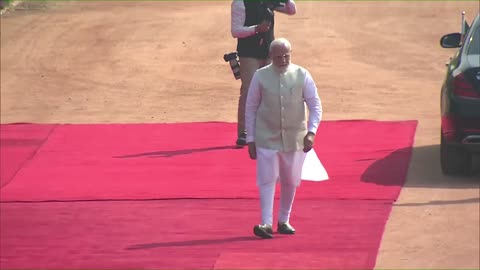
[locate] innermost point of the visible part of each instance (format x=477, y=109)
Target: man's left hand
x=252, y=150
x=308, y=141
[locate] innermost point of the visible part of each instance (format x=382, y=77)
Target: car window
x=474, y=47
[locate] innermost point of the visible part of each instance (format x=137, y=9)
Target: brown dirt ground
x=127, y=61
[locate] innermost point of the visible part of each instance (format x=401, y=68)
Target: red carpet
x=18, y=144
x=365, y=160
x=187, y=234
x=208, y=199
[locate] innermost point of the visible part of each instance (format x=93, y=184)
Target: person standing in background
x=252, y=24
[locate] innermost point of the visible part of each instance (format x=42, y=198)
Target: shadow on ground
x=173, y=153
x=424, y=170
x=187, y=243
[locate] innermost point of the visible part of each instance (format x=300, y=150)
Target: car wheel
x=454, y=159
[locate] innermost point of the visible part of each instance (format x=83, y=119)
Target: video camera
x=272, y=4
x=270, y=7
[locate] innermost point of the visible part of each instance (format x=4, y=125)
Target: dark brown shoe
x=285, y=228
x=263, y=230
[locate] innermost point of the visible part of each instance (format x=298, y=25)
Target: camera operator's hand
x=263, y=27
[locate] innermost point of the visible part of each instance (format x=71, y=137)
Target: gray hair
x=280, y=42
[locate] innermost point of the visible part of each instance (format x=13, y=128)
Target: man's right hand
x=252, y=150
x=263, y=27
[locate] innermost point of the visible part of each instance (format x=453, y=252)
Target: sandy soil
x=124, y=62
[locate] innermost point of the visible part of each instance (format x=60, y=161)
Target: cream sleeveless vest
x=281, y=117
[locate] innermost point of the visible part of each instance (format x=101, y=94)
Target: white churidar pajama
x=272, y=167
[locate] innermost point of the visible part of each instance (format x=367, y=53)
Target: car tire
x=454, y=159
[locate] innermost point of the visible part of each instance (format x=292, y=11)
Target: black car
x=460, y=100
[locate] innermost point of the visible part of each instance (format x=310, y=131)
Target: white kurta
x=276, y=166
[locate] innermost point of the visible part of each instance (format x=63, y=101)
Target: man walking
x=278, y=134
